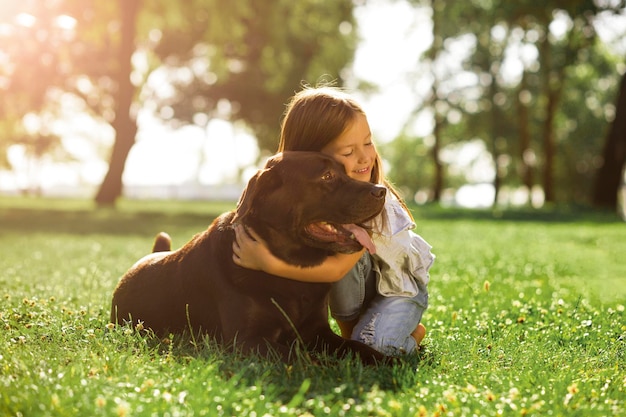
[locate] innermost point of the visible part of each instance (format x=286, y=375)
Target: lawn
x=526, y=318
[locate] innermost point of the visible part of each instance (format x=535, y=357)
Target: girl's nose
x=361, y=155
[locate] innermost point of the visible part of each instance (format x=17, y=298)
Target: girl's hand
x=249, y=250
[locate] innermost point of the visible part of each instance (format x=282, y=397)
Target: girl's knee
x=393, y=343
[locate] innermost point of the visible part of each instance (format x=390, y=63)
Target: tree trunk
x=549, y=147
x=124, y=124
x=611, y=174
x=437, y=7
x=438, y=179
x=526, y=163
x=553, y=86
x=495, y=135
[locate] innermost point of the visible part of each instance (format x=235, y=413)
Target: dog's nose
x=378, y=191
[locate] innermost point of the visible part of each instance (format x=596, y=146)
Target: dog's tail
x=162, y=243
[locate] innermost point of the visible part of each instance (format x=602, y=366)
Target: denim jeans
x=384, y=323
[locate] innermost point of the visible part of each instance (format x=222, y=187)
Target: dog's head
x=305, y=207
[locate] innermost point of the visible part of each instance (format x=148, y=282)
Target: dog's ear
x=261, y=184
x=262, y=180
x=244, y=205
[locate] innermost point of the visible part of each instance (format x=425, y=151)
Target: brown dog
x=306, y=208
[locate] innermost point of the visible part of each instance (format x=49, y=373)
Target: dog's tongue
x=362, y=237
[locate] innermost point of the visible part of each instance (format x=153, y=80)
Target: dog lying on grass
x=306, y=208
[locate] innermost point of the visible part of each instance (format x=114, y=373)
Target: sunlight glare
x=561, y=24
x=378, y=59
x=475, y=195
x=25, y=20
x=5, y=29
x=31, y=123
x=65, y=22
x=165, y=157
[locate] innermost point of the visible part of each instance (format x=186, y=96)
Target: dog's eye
x=328, y=175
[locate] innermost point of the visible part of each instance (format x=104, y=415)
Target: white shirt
x=402, y=256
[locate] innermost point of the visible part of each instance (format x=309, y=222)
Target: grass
x=526, y=319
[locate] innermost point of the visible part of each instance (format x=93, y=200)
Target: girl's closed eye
x=344, y=151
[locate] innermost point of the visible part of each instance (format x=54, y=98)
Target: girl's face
x=354, y=149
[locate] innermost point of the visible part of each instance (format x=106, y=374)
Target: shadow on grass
x=105, y=221
x=148, y=218
x=308, y=375
x=555, y=214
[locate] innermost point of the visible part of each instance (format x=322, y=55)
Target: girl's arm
x=250, y=251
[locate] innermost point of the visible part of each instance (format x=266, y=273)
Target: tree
x=249, y=54
x=27, y=69
x=527, y=118
x=545, y=82
x=408, y=171
x=124, y=123
x=252, y=58
x=610, y=176
x=587, y=109
x=436, y=99
x=88, y=58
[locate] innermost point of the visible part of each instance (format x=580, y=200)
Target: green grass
x=526, y=318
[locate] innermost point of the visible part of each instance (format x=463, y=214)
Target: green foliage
x=238, y=61
x=242, y=60
x=45, y=58
x=409, y=168
x=526, y=318
x=253, y=55
x=545, y=108
x=584, y=121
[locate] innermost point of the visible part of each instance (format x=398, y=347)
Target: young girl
x=378, y=298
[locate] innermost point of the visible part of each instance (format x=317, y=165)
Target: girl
x=378, y=298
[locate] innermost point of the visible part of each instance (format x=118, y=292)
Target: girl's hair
x=315, y=117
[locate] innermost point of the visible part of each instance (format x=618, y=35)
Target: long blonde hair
x=315, y=116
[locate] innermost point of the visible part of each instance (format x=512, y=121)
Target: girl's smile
x=363, y=174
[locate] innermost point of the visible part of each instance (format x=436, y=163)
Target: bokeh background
x=472, y=103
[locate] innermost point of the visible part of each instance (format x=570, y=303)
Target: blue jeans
x=384, y=323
